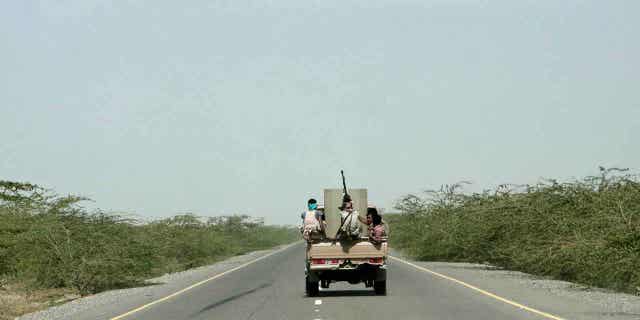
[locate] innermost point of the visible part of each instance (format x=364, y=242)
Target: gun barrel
x=344, y=183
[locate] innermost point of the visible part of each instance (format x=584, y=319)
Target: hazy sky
x=236, y=106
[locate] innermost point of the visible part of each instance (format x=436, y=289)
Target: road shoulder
x=108, y=304
x=561, y=298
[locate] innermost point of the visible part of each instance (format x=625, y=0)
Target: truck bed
x=347, y=250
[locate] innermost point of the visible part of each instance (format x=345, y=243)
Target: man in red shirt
x=377, y=229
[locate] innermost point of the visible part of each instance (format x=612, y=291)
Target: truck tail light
x=375, y=260
x=335, y=261
x=318, y=261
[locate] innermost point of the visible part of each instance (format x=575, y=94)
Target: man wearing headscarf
x=312, y=220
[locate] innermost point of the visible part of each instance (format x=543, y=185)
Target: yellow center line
x=486, y=293
x=128, y=313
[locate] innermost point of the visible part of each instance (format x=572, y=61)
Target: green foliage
x=586, y=231
x=50, y=241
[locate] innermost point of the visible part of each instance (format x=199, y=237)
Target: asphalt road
x=273, y=288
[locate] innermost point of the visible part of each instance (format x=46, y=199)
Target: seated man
x=312, y=221
x=350, y=228
x=377, y=228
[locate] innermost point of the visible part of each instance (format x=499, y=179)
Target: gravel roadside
x=565, y=299
x=111, y=303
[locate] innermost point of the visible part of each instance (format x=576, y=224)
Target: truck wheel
x=380, y=287
x=311, y=287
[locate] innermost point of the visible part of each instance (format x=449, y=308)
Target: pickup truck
x=352, y=261
x=331, y=259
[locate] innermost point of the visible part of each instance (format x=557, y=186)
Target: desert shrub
x=586, y=231
x=50, y=241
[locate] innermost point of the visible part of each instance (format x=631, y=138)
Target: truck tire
x=380, y=287
x=311, y=287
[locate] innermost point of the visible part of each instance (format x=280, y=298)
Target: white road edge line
x=486, y=293
x=122, y=316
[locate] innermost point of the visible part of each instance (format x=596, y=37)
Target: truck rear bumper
x=365, y=272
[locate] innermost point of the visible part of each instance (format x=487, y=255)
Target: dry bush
x=48, y=241
x=586, y=231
